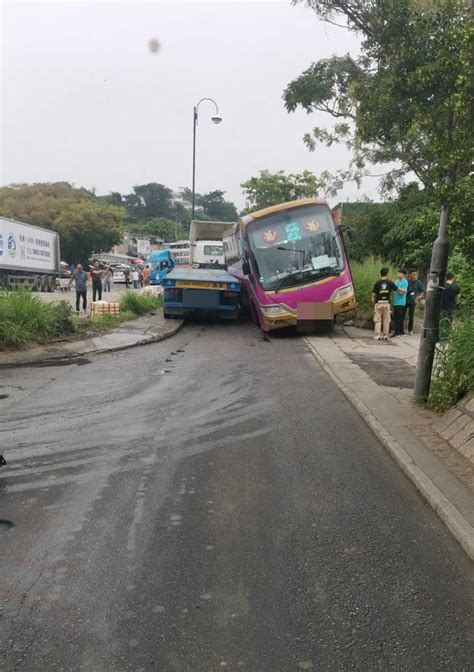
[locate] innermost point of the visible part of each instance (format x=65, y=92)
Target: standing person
x=399, y=301
x=96, y=275
x=146, y=275
x=108, y=276
x=79, y=277
x=140, y=277
x=450, y=296
x=414, y=292
x=381, y=293
x=127, y=277
x=135, y=279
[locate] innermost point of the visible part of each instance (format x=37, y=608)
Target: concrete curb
x=77, y=356
x=459, y=527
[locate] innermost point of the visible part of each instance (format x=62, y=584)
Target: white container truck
x=206, y=249
x=28, y=255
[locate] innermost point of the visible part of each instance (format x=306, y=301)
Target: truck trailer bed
x=190, y=290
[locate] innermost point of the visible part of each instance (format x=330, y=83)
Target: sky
x=85, y=100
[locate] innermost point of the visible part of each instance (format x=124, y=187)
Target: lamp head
x=216, y=119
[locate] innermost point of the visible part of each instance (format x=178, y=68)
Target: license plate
x=200, y=285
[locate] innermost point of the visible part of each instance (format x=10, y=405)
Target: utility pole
x=434, y=289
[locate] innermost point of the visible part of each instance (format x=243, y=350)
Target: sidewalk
x=143, y=330
x=377, y=377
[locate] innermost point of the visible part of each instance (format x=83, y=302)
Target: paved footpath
x=378, y=378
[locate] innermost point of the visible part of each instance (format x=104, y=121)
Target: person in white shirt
x=135, y=279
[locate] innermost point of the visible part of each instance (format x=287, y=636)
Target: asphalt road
x=212, y=502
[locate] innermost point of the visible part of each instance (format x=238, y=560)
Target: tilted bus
x=292, y=263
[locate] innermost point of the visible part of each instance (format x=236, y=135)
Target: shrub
x=463, y=270
x=364, y=276
x=26, y=319
x=138, y=303
x=453, y=374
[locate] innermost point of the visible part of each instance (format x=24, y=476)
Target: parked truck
x=205, y=244
x=190, y=291
x=160, y=264
x=28, y=255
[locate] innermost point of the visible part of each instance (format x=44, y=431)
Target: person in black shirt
x=450, y=297
x=414, y=291
x=381, y=293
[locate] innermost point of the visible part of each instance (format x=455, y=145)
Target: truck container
x=28, y=255
x=205, y=244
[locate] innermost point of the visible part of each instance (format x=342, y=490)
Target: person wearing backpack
x=381, y=293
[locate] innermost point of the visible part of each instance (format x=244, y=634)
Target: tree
x=85, y=224
x=216, y=207
x=406, y=99
x=169, y=230
x=272, y=188
x=149, y=201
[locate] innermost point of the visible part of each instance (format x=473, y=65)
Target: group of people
x=139, y=277
x=101, y=280
x=406, y=291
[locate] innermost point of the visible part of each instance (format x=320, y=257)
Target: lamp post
x=216, y=118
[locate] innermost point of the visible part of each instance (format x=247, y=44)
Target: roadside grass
x=26, y=319
x=130, y=302
x=364, y=275
x=453, y=374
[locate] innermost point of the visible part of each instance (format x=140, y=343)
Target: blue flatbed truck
x=197, y=290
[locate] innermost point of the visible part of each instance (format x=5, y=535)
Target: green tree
x=84, y=223
x=272, y=188
x=217, y=208
x=148, y=201
x=168, y=229
x=406, y=99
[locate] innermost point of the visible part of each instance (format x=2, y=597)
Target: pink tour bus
x=292, y=263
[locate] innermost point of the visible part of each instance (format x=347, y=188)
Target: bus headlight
x=273, y=310
x=344, y=291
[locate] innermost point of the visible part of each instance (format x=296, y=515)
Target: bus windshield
x=295, y=246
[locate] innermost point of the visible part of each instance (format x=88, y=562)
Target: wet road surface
x=212, y=502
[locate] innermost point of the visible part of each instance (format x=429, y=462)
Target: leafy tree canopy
x=153, y=202
x=271, y=188
x=85, y=224
x=407, y=98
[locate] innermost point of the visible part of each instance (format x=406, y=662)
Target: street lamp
x=216, y=118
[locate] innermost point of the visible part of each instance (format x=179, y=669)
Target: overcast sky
x=86, y=101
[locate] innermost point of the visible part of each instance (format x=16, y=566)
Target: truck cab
x=206, y=249
x=160, y=264
x=208, y=254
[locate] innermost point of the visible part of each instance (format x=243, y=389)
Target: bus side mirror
x=246, y=267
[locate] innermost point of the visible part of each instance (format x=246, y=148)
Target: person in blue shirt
x=399, y=301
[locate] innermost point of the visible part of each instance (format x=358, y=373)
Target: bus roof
x=282, y=206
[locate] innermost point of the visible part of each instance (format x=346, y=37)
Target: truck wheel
x=51, y=283
x=38, y=284
x=45, y=284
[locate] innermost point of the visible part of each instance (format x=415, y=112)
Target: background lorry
x=160, y=264
x=205, y=244
x=28, y=255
